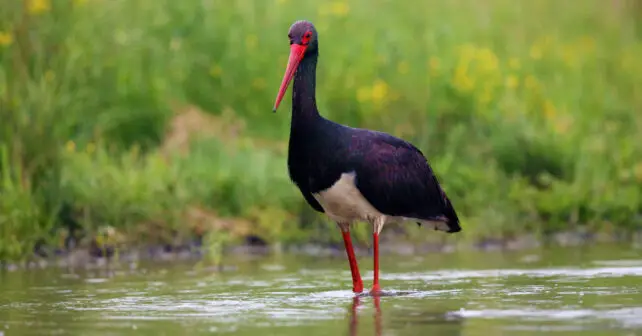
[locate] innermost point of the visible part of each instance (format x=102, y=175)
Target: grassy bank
x=528, y=111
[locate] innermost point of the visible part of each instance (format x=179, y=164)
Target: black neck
x=304, y=105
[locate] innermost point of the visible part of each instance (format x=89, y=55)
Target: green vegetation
x=528, y=111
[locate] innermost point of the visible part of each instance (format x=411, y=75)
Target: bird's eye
x=306, y=38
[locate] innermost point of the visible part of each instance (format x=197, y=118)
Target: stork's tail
x=447, y=221
x=451, y=217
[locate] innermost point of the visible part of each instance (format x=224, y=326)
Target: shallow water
x=589, y=290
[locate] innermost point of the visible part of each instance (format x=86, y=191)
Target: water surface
x=593, y=291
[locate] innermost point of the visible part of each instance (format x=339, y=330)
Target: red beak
x=296, y=55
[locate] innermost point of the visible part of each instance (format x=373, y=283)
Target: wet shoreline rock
x=87, y=258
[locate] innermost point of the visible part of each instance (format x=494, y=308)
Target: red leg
x=357, y=284
x=375, y=283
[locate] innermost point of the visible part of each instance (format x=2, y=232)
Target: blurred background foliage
x=153, y=117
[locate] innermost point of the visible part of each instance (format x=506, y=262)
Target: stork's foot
x=376, y=290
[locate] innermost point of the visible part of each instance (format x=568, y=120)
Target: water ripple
x=560, y=299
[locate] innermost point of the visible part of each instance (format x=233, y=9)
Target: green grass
x=528, y=110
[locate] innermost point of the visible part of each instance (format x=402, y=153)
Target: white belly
x=344, y=203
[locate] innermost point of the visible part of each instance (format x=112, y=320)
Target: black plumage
x=391, y=174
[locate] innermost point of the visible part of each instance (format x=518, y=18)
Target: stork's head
x=303, y=40
x=303, y=33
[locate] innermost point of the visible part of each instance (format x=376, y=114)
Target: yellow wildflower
x=6, y=39
x=512, y=81
x=216, y=71
x=462, y=81
x=549, y=110
x=71, y=146
x=379, y=91
x=36, y=7
x=339, y=8
x=488, y=60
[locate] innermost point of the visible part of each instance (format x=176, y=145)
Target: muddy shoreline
x=84, y=258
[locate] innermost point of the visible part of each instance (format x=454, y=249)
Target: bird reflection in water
x=354, y=315
x=406, y=320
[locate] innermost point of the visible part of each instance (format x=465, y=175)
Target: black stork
x=353, y=174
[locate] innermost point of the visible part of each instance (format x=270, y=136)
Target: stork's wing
x=397, y=180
